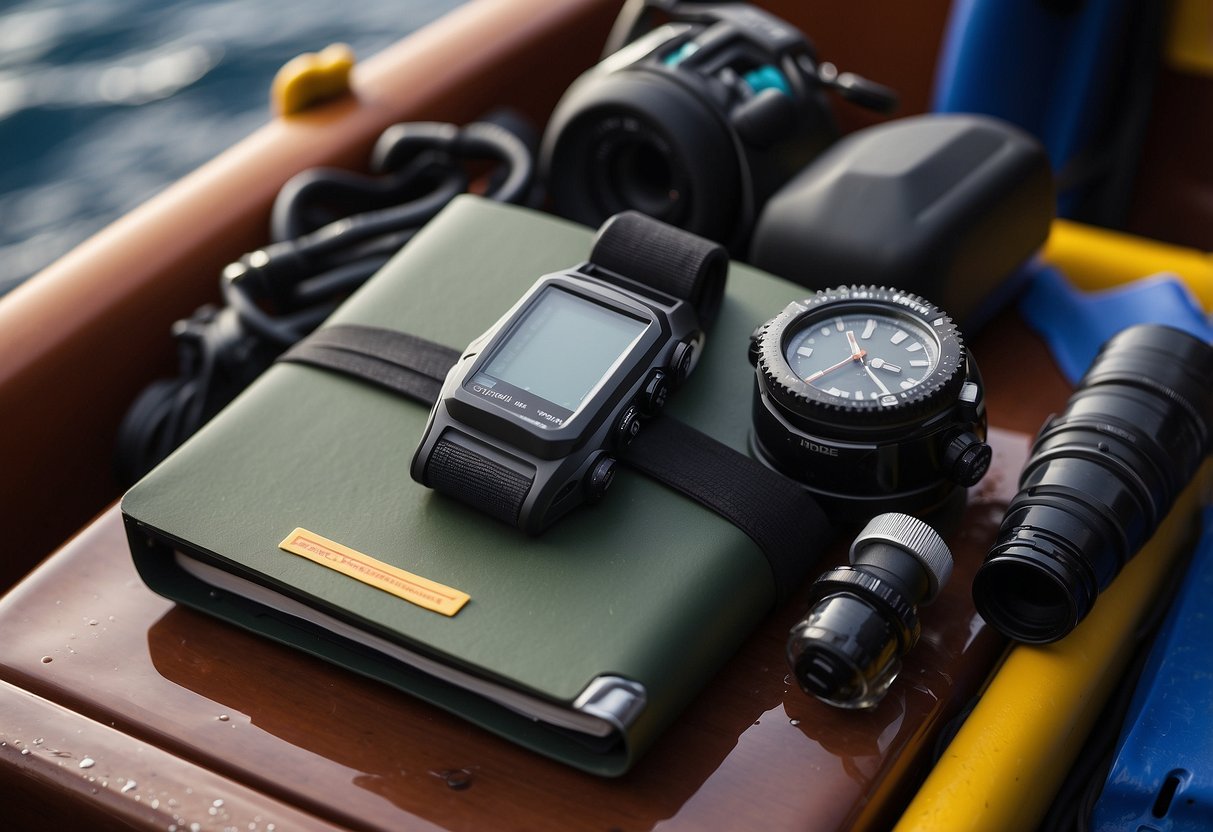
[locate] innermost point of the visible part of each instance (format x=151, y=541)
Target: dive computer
x=532, y=417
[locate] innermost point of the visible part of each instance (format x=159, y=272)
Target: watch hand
x=857, y=355
x=872, y=376
x=856, y=352
x=881, y=364
x=833, y=367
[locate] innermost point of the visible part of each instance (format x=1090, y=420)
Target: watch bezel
x=785, y=385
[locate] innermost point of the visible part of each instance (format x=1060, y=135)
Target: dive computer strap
x=779, y=516
x=784, y=520
x=405, y=364
x=662, y=257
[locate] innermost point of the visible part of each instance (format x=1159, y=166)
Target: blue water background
x=105, y=102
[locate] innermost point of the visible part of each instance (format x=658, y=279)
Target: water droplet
x=223, y=717
x=456, y=778
x=87, y=762
x=92, y=622
x=218, y=802
x=212, y=811
x=794, y=721
x=130, y=784
x=155, y=804
x=172, y=827
x=269, y=827
x=787, y=680
x=24, y=752
x=110, y=618
x=195, y=827
x=47, y=660
x=39, y=740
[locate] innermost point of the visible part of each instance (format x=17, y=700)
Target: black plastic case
x=944, y=206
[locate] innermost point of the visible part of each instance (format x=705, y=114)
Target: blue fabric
x=1075, y=324
x=1049, y=72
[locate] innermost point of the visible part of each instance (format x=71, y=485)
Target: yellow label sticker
x=405, y=585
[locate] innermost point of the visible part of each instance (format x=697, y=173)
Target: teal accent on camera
x=767, y=77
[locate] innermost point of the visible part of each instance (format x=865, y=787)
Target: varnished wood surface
x=180, y=693
x=70, y=772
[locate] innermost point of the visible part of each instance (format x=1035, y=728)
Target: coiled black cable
x=331, y=230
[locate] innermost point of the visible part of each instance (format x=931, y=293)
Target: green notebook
x=582, y=643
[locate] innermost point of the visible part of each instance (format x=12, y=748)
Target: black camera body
x=695, y=123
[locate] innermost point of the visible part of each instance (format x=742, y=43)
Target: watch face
x=862, y=394
x=561, y=349
x=862, y=355
x=877, y=354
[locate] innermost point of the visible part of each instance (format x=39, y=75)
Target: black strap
x=664, y=258
x=782, y=518
x=466, y=475
x=396, y=361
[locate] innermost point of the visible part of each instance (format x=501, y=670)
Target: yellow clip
x=312, y=78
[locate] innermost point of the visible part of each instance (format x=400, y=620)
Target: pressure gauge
x=868, y=396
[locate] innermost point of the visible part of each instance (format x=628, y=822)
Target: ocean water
x=105, y=102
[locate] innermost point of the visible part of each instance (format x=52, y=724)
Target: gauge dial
x=862, y=356
x=867, y=396
x=881, y=355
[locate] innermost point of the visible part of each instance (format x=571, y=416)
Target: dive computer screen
x=558, y=353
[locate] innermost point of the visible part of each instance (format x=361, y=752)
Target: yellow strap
x=1009, y=758
x=1095, y=258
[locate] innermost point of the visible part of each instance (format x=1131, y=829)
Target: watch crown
x=967, y=458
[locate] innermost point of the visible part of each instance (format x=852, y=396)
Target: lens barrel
x=1101, y=477
x=637, y=139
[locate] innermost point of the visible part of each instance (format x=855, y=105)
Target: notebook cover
x=646, y=585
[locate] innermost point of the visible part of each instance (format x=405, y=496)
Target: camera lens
x=638, y=175
x=638, y=140
x=1101, y=477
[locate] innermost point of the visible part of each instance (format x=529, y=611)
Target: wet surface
x=360, y=754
